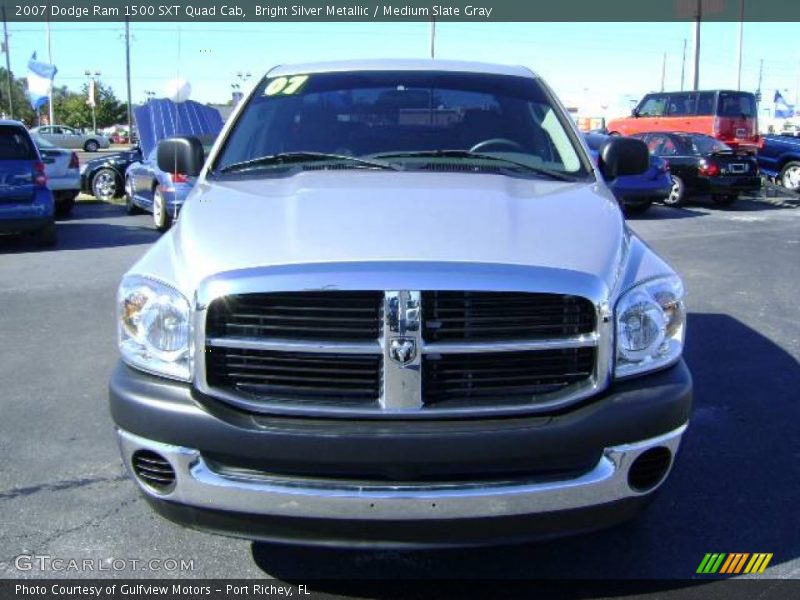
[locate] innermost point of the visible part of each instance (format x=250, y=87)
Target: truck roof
x=401, y=65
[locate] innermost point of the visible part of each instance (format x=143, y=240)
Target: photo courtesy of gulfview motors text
x=151, y=590
x=336, y=293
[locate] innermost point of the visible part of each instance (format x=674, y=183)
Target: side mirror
x=623, y=156
x=635, y=112
x=181, y=155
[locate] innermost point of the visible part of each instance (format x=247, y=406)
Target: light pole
x=92, y=76
x=236, y=88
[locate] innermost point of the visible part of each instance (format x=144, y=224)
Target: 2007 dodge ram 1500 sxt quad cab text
x=400, y=308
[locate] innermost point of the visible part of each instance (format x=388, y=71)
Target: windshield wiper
x=282, y=158
x=478, y=155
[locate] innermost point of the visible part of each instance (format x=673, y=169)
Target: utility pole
x=663, y=71
x=760, y=79
x=698, y=18
x=8, y=65
x=92, y=101
x=433, y=38
x=128, y=75
x=683, y=63
x=741, y=46
x=50, y=60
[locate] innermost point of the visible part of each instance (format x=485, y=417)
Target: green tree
x=71, y=108
x=22, y=110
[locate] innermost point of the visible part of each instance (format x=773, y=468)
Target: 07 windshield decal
x=285, y=85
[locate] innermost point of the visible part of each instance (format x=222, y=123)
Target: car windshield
x=736, y=104
x=41, y=142
x=703, y=144
x=15, y=144
x=402, y=120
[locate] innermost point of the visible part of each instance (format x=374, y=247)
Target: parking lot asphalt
x=735, y=487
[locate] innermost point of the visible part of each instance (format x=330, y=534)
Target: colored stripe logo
x=734, y=563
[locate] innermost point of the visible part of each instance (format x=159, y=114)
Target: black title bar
x=239, y=11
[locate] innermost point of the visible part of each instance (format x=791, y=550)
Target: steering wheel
x=495, y=142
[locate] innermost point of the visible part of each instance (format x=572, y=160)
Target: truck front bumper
x=629, y=425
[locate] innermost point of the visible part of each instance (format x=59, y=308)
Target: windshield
x=406, y=118
x=702, y=144
x=736, y=104
x=15, y=144
x=41, y=142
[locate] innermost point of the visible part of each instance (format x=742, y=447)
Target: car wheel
x=64, y=205
x=790, y=176
x=724, y=199
x=677, y=193
x=637, y=209
x=161, y=217
x=91, y=146
x=105, y=185
x=46, y=238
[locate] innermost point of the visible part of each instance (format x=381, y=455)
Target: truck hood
x=367, y=216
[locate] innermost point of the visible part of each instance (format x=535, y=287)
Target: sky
x=587, y=64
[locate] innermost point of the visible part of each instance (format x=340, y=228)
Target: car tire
x=161, y=217
x=105, y=185
x=724, y=199
x=46, y=238
x=91, y=146
x=64, y=205
x=790, y=176
x=637, y=209
x=677, y=195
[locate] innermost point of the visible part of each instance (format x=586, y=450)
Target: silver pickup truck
x=400, y=308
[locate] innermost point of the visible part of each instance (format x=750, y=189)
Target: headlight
x=650, y=325
x=154, y=327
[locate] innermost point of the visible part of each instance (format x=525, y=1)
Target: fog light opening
x=153, y=471
x=649, y=469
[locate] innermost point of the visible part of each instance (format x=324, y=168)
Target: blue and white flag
x=40, y=80
x=783, y=110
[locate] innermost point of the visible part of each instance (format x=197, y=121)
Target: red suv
x=729, y=116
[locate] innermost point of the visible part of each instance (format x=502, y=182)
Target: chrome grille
x=298, y=315
x=344, y=379
x=403, y=354
x=504, y=315
x=502, y=378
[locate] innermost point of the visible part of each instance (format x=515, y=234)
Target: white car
x=67, y=137
x=62, y=168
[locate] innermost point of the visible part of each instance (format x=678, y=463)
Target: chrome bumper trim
x=198, y=485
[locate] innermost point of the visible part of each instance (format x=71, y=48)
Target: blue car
x=636, y=193
x=779, y=159
x=26, y=203
x=149, y=188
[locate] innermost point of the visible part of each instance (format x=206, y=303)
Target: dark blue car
x=779, y=159
x=26, y=203
x=636, y=193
